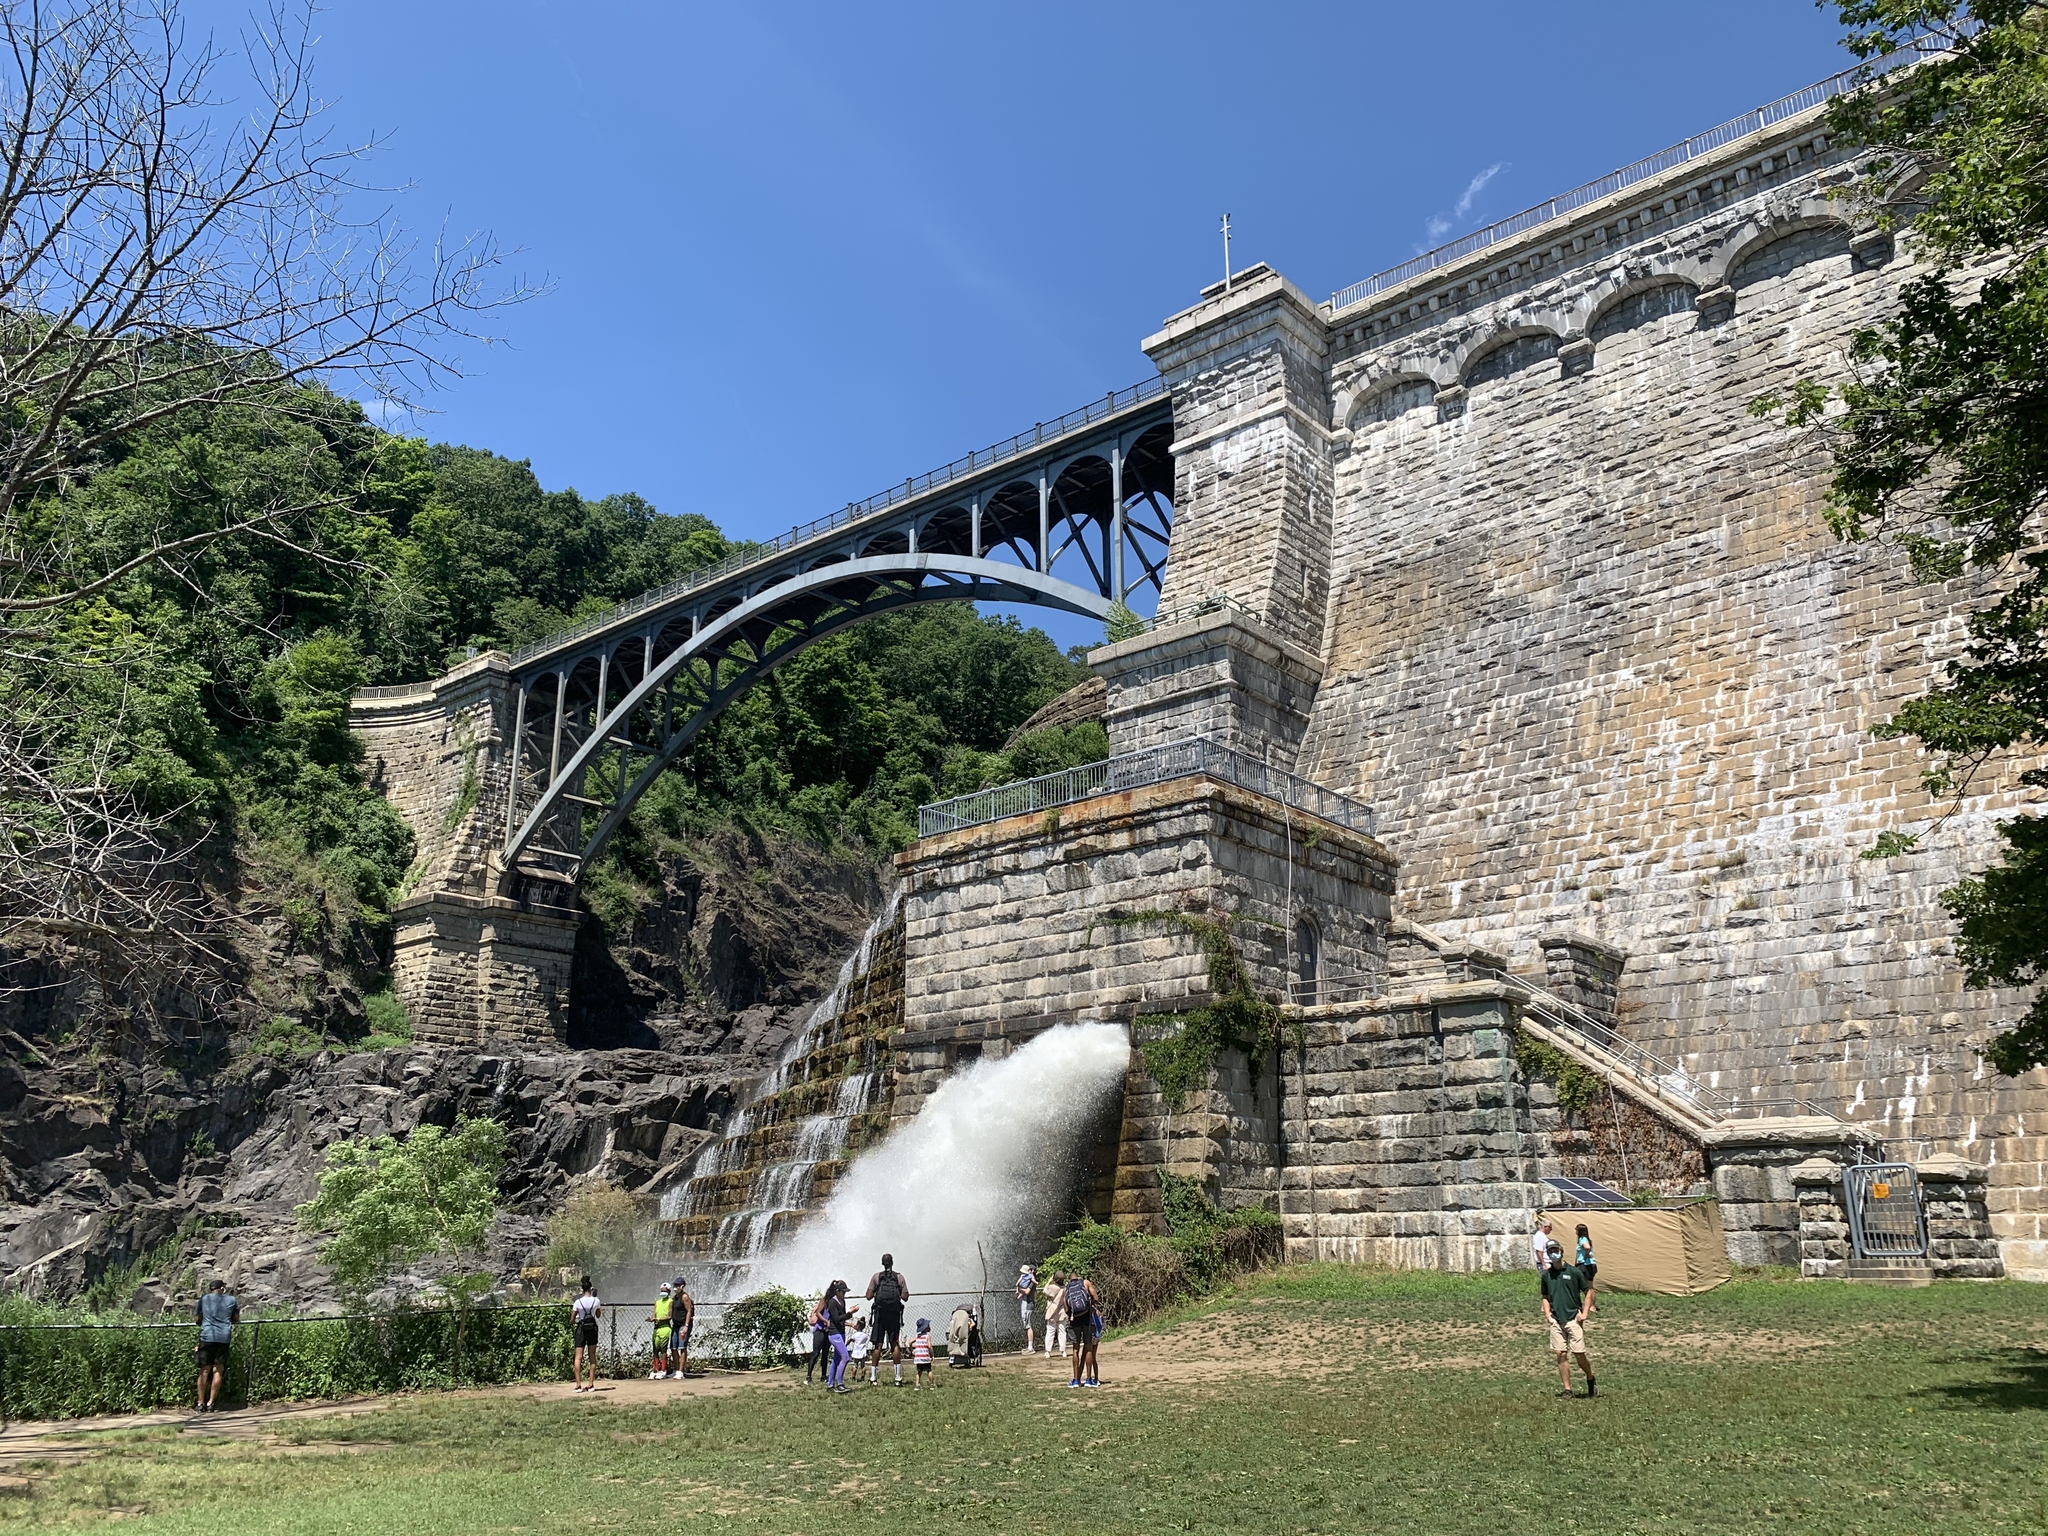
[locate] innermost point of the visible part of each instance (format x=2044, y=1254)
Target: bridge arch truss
x=1076, y=518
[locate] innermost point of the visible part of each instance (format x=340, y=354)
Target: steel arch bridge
x=604, y=707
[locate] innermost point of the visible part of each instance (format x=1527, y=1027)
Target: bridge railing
x=1642, y=170
x=978, y=462
x=1197, y=755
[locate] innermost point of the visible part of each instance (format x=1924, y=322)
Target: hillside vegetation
x=216, y=691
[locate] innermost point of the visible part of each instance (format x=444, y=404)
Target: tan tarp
x=1672, y=1252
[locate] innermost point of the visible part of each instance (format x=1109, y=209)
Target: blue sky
x=800, y=251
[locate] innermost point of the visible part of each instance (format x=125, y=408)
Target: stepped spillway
x=829, y=1097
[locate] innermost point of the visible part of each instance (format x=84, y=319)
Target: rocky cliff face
x=184, y=1150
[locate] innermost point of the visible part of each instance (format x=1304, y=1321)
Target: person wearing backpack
x=889, y=1291
x=1084, y=1327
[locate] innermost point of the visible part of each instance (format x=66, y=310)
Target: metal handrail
x=1651, y=165
x=1193, y=756
x=1666, y=1078
x=1215, y=602
x=394, y=691
x=977, y=462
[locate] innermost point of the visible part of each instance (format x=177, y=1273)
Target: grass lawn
x=1321, y=1399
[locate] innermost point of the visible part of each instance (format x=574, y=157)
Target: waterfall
x=780, y=1189
x=992, y=1164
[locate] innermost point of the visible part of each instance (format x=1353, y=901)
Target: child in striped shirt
x=921, y=1352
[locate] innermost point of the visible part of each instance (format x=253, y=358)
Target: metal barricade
x=1885, y=1219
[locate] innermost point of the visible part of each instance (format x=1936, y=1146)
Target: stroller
x=963, y=1336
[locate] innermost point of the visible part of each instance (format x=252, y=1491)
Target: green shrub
x=1137, y=1274
x=758, y=1329
x=597, y=1231
x=390, y=1025
x=390, y=1202
x=66, y=1372
x=285, y=1039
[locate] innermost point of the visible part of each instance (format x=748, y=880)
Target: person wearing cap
x=663, y=1318
x=1027, y=1300
x=1564, y=1308
x=921, y=1354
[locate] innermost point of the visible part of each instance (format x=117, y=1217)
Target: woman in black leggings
x=821, y=1346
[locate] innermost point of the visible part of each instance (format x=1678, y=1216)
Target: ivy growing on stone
x=1577, y=1086
x=1185, y=1044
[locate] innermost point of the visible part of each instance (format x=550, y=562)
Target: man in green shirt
x=1564, y=1308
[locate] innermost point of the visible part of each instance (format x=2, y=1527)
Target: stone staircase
x=1584, y=1030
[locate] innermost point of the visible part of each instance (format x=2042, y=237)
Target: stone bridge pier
x=471, y=965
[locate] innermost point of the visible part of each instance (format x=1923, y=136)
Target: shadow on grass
x=2014, y=1380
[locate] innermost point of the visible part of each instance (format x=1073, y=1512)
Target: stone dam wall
x=1589, y=648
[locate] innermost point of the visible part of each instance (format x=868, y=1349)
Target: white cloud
x=1437, y=225
x=1477, y=185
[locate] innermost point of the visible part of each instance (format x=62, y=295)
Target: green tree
x=390, y=1203
x=1940, y=440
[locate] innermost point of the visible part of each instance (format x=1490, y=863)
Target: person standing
x=1084, y=1328
x=889, y=1291
x=218, y=1311
x=858, y=1346
x=1582, y=1260
x=821, y=1345
x=1056, y=1316
x=1027, y=1303
x=1539, y=1244
x=685, y=1320
x=584, y=1312
x=834, y=1307
x=1564, y=1308
x=663, y=1318
x=920, y=1355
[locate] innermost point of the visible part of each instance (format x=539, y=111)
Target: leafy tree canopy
x=390, y=1202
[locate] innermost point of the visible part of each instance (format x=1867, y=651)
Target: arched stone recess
x=1641, y=303
x=1506, y=351
x=1385, y=401
x=1789, y=252
x=1738, y=249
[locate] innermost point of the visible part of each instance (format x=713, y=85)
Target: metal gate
x=1885, y=1220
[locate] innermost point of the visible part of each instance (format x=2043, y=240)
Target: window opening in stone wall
x=1308, y=959
x=1644, y=308
x=1522, y=352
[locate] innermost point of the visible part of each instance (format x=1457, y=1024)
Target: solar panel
x=1588, y=1192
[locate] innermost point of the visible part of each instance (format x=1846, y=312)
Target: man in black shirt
x=1564, y=1308
x=888, y=1291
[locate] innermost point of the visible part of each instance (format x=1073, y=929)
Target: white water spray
x=989, y=1160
